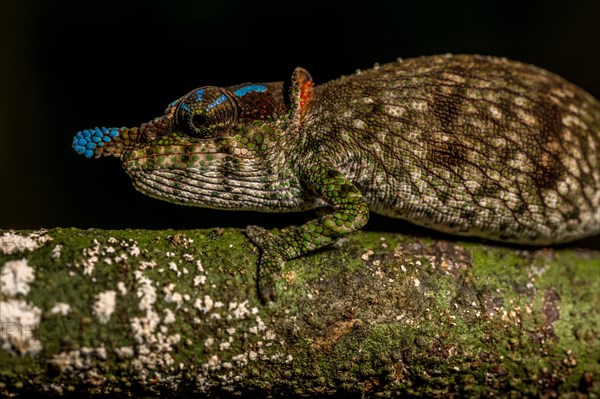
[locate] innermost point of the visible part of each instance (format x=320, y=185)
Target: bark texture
x=141, y=313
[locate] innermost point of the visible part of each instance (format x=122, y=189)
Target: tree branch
x=148, y=312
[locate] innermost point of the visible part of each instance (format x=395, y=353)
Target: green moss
x=434, y=319
x=576, y=277
x=378, y=241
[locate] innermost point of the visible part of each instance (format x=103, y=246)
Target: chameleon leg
x=350, y=213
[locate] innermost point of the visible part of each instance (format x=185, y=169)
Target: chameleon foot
x=271, y=262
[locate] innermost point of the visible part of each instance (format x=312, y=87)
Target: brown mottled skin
x=470, y=145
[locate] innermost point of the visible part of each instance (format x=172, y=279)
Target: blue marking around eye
x=242, y=91
x=185, y=107
x=221, y=99
x=86, y=141
x=199, y=94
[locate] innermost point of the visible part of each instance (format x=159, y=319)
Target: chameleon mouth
x=103, y=141
x=182, y=157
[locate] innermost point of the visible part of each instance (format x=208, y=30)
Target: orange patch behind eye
x=306, y=91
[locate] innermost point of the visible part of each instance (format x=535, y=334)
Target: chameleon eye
x=206, y=111
x=198, y=121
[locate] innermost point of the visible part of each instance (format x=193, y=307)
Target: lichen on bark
x=176, y=312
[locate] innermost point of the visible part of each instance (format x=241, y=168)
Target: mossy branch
x=149, y=312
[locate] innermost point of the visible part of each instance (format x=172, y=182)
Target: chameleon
x=465, y=144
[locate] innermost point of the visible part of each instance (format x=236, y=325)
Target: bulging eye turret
x=206, y=111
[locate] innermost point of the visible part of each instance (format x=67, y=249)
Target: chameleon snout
x=103, y=141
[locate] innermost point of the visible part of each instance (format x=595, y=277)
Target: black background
x=71, y=65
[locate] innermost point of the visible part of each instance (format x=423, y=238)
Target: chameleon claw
x=271, y=263
x=269, y=270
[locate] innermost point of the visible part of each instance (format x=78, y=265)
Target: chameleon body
x=469, y=145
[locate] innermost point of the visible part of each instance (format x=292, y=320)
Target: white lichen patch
x=107, y=254
x=125, y=352
x=172, y=296
x=173, y=267
x=199, y=266
x=81, y=359
x=61, y=308
x=366, y=255
x=19, y=320
x=239, y=310
x=199, y=280
x=13, y=243
x=230, y=330
x=226, y=344
x=56, y=251
x=154, y=347
x=259, y=327
x=134, y=250
x=154, y=343
x=214, y=363
x=15, y=278
x=204, y=305
x=240, y=360
x=146, y=292
x=146, y=265
x=122, y=288
x=90, y=258
x=169, y=316
x=100, y=352
x=156, y=350
x=122, y=257
x=104, y=306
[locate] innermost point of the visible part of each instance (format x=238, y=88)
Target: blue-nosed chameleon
x=465, y=144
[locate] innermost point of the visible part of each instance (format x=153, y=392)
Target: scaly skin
x=470, y=145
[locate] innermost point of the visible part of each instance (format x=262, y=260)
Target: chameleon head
x=196, y=123
x=201, y=119
x=210, y=138
x=202, y=115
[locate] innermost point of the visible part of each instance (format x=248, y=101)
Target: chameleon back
x=466, y=144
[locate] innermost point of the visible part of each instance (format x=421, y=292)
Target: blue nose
x=86, y=142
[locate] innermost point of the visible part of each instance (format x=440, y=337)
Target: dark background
x=71, y=65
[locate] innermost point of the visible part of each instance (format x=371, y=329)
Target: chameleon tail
x=103, y=141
